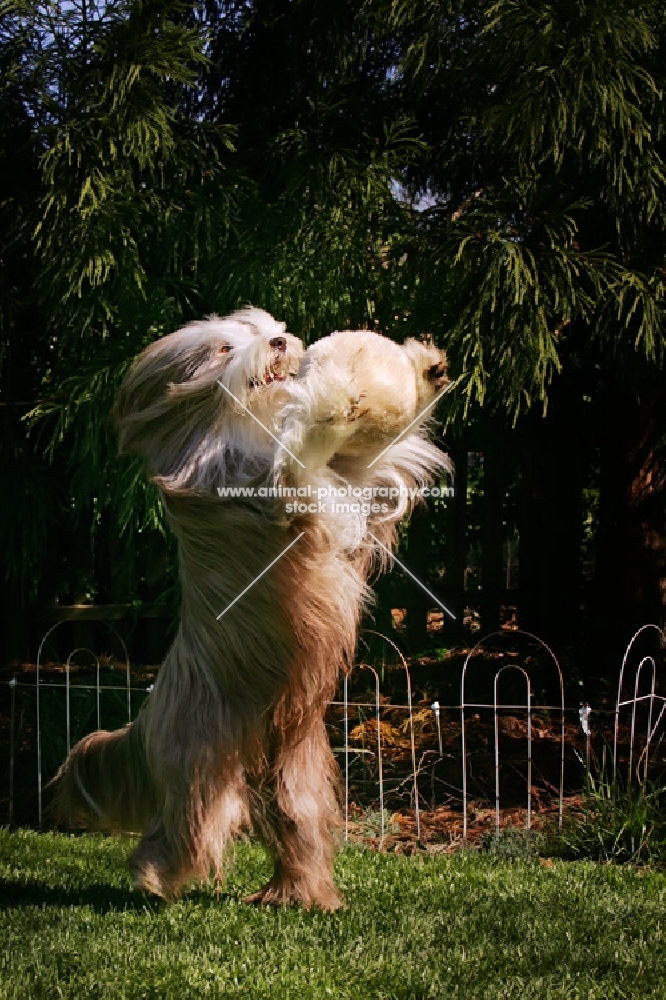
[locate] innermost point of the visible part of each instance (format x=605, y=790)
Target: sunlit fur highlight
x=233, y=733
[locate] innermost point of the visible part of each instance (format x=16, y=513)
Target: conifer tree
x=544, y=251
x=130, y=195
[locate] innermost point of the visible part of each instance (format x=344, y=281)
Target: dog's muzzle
x=280, y=368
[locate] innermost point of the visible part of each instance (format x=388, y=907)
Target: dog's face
x=188, y=402
x=254, y=359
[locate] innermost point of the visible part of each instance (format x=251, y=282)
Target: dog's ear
x=166, y=398
x=158, y=365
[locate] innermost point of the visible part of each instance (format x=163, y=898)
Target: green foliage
x=489, y=173
x=543, y=123
x=569, y=78
x=79, y=425
x=323, y=254
x=469, y=925
x=515, y=287
x=158, y=203
x=134, y=194
x=319, y=234
x=620, y=824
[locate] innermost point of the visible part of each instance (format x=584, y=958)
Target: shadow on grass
x=101, y=898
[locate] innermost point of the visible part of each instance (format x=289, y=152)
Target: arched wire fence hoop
x=513, y=666
x=364, y=666
x=68, y=687
x=417, y=814
x=463, y=705
x=634, y=701
x=79, y=649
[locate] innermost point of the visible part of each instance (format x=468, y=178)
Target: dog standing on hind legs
x=233, y=733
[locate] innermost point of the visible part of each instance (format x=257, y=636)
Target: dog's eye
x=436, y=371
x=224, y=349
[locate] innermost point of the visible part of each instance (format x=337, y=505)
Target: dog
x=233, y=734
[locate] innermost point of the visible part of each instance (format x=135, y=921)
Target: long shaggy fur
x=233, y=733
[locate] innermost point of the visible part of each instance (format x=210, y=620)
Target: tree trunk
x=630, y=571
x=418, y=560
x=555, y=450
x=456, y=560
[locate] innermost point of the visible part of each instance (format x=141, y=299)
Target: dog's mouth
x=278, y=371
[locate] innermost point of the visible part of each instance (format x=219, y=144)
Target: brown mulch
x=441, y=830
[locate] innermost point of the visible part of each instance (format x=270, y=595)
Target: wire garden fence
x=510, y=747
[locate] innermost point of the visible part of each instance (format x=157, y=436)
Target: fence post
x=436, y=710
x=584, y=713
x=417, y=813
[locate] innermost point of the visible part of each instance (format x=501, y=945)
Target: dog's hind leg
x=295, y=811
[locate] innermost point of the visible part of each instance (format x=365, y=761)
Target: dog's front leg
x=295, y=811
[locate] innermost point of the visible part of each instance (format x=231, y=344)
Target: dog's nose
x=279, y=343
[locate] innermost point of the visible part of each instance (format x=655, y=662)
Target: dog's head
x=196, y=403
x=430, y=369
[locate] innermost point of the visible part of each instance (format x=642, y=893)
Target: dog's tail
x=105, y=783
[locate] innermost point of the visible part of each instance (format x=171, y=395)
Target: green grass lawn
x=440, y=926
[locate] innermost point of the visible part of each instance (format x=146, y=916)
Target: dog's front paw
x=357, y=409
x=348, y=413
